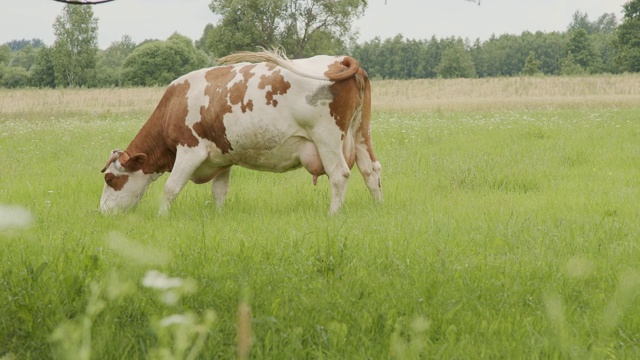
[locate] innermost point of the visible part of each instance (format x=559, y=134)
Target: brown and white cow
x=259, y=110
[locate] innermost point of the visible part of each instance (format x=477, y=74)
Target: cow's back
x=249, y=106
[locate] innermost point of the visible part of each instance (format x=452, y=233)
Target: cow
x=259, y=110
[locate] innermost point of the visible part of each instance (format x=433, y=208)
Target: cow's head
x=124, y=181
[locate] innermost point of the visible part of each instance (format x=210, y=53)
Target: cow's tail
x=360, y=120
x=346, y=69
x=365, y=122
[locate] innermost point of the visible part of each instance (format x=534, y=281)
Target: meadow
x=510, y=229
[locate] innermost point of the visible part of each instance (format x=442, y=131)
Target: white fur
x=130, y=194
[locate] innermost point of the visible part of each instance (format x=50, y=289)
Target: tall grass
x=492, y=94
x=488, y=94
x=508, y=231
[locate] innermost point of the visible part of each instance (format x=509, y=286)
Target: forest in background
x=605, y=45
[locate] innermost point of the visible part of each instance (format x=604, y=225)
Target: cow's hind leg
x=187, y=161
x=369, y=167
x=220, y=186
x=336, y=169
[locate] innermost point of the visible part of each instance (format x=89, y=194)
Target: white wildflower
x=157, y=280
x=173, y=319
x=12, y=216
x=170, y=297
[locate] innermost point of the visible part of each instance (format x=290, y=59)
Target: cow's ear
x=134, y=163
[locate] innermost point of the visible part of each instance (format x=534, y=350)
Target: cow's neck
x=151, y=141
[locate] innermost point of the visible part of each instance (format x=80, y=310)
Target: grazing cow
x=259, y=110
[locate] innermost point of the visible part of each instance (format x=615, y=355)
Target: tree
x=606, y=24
x=302, y=27
x=491, y=56
x=117, y=52
x=76, y=45
x=399, y=58
x=306, y=20
x=16, y=45
x=414, y=60
x=604, y=42
x=570, y=67
x=628, y=38
x=581, y=21
x=160, y=62
x=25, y=57
x=502, y=56
x=42, y=71
x=245, y=25
x=110, y=62
x=532, y=65
x=203, y=42
x=456, y=62
x=581, y=48
x=549, y=49
x=368, y=55
x=391, y=57
x=5, y=54
x=601, y=34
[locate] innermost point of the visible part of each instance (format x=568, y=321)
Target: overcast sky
x=414, y=19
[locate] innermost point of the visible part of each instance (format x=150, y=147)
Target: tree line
x=305, y=28
x=585, y=48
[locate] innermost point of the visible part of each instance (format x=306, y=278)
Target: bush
x=160, y=62
x=15, y=77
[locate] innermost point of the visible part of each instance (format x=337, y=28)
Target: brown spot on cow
x=116, y=182
x=345, y=101
x=279, y=86
x=211, y=125
x=238, y=90
x=175, y=107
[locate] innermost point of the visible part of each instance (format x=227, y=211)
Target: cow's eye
x=108, y=178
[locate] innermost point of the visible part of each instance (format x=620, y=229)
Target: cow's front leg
x=220, y=186
x=338, y=181
x=187, y=161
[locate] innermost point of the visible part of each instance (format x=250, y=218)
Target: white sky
x=414, y=19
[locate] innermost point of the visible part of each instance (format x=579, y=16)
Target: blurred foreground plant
x=181, y=335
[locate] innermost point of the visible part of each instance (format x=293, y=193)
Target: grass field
x=510, y=229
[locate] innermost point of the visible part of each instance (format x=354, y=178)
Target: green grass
x=504, y=234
